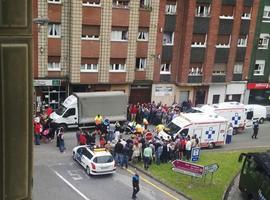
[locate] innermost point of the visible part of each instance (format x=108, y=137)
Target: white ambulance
x=210, y=129
x=234, y=112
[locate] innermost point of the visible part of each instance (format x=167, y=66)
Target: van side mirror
x=241, y=157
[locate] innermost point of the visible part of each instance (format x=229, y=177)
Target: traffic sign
x=195, y=154
x=211, y=168
x=188, y=168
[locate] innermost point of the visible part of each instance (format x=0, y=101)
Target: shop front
x=50, y=92
x=259, y=93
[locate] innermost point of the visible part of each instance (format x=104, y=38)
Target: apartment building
x=161, y=50
x=258, y=83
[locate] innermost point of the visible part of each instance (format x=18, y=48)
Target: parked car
x=95, y=161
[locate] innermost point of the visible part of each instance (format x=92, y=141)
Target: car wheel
x=88, y=170
x=261, y=121
x=211, y=145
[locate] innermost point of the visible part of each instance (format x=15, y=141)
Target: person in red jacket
x=133, y=112
x=37, y=131
x=82, y=139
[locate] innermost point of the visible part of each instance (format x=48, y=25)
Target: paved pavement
x=57, y=176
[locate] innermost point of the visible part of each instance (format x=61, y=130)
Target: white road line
x=70, y=185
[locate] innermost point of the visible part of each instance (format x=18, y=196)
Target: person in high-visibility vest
x=98, y=122
x=160, y=127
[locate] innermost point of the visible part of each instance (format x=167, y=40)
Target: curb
x=229, y=188
x=160, y=182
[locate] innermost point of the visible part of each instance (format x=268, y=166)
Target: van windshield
x=172, y=128
x=61, y=110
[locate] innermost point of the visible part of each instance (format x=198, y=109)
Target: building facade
x=154, y=50
x=258, y=83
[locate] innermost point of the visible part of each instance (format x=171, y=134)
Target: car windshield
x=172, y=128
x=61, y=110
x=103, y=159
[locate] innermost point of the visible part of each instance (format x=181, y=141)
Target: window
x=223, y=41
x=140, y=64
x=69, y=112
x=246, y=14
x=266, y=12
x=89, y=67
x=119, y=35
x=54, y=1
x=168, y=38
x=263, y=41
x=215, y=98
x=121, y=3
x=242, y=41
x=91, y=3
x=90, y=32
x=145, y=4
x=233, y=97
x=103, y=159
x=202, y=10
x=219, y=69
x=143, y=35
x=199, y=40
x=54, y=63
x=227, y=12
x=170, y=8
x=259, y=68
x=195, y=71
x=117, y=67
x=238, y=68
x=88, y=155
x=165, y=68
x=54, y=30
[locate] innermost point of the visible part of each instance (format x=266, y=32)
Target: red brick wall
x=234, y=38
x=54, y=74
x=187, y=40
x=117, y=77
x=178, y=34
x=144, y=18
x=211, y=42
x=142, y=48
x=35, y=40
x=54, y=12
x=161, y=22
x=91, y=15
x=54, y=47
x=89, y=78
x=90, y=48
x=119, y=49
x=140, y=75
x=120, y=17
x=251, y=35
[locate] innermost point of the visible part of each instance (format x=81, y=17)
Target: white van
x=259, y=112
x=210, y=129
x=234, y=112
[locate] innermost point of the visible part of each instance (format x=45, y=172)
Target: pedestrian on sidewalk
x=255, y=129
x=61, y=141
x=135, y=185
x=37, y=129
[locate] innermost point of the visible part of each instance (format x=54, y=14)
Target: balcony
x=237, y=77
x=218, y=78
x=195, y=79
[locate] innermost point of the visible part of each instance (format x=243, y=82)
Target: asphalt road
x=57, y=176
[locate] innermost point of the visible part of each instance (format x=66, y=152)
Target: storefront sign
x=163, y=90
x=195, y=154
x=258, y=86
x=41, y=82
x=211, y=168
x=188, y=168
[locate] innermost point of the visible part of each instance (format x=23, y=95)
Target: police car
x=96, y=161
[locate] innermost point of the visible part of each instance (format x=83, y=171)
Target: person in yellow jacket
x=98, y=121
x=159, y=127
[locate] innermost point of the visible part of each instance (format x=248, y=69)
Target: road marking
x=70, y=185
x=155, y=186
x=75, y=175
